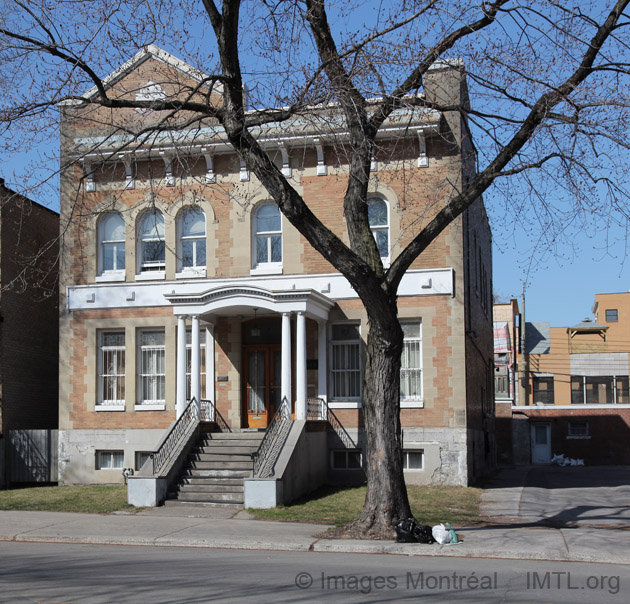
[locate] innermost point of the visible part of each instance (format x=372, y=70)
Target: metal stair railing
x=317, y=409
x=179, y=434
x=266, y=456
x=210, y=413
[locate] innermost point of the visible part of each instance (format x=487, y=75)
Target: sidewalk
x=233, y=529
x=534, y=513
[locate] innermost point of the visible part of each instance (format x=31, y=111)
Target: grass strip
x=87, y=499
x=339, y=506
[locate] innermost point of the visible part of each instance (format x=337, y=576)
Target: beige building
x=181, y=279
x=577, y=389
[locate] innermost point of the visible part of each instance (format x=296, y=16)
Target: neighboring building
x=506, y=322
x=577, y=388
x=180, y=277
x=29, y=342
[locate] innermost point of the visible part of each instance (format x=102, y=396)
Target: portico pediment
x=243, y=299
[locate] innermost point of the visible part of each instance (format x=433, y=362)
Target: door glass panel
x=256, y=402
x=541, y=435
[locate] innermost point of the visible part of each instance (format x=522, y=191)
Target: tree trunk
x=386, y=499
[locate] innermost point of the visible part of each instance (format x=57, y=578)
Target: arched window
x=267, y=237
x=151, y=242
x=378, y=216
x=111, y=243
x=191, y=227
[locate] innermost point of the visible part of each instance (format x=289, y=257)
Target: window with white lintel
x=378, y=216
x=151, y=244
x=345, y=362
x=111, y=368
x=267, y=239
x=191, y=230
x=111, y=245
x=151, y=368
x=411, y=364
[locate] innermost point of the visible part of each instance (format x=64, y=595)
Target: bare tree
x=549, y=112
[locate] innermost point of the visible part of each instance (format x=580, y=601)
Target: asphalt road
x=46, y=573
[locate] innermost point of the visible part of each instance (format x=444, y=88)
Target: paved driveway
x=551, y=495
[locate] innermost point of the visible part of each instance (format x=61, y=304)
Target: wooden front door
x=261, y=391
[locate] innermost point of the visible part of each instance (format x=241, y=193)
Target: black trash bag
x=405, y=532
x=423, y=533
x=409, y=531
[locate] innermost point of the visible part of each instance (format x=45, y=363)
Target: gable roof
x=154, y=52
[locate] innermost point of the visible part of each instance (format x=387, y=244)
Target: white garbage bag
x=441, y=534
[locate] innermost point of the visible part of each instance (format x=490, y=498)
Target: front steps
x=216, y=468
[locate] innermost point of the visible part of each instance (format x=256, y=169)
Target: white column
x=300, y=367
x=322, y=364
x=210, y=376
x=285, y=382
x=195, y=362
x=180, y=401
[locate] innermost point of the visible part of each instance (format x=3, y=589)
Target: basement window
x=110, y=460
x=343, y=459
x=413, y=460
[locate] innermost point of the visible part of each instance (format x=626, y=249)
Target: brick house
x=577, y=393
x=181, y=279
x=28, y=324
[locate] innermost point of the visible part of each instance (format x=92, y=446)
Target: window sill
x=151, y=276
x=148, y=407
x=266, y=269
x=109, y=407
x=110, y=276
x=412, y=404
x=344, y=404
x=192, y=273
x=582, y=437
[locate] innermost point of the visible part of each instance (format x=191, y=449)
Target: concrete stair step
x=232, y=442
x=213, y=488
x=220, y=457
x=223, y=481
x=219, y=448
x=216, y=473
x=233, y=435
x=234, y=498
x=242, y=464
x=210, y=504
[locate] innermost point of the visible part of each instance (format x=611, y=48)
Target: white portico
x=249, y=302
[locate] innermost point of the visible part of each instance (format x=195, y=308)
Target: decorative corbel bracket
x=88, y=171
x=210, y=175
x=286, y=164
x=127, y=160
x=423, y=159
x=169, y=179
x=322, y=169
x=244, y=175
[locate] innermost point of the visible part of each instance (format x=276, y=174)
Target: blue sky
x=559, y=291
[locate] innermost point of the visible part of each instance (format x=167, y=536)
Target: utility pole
x=525, y=364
